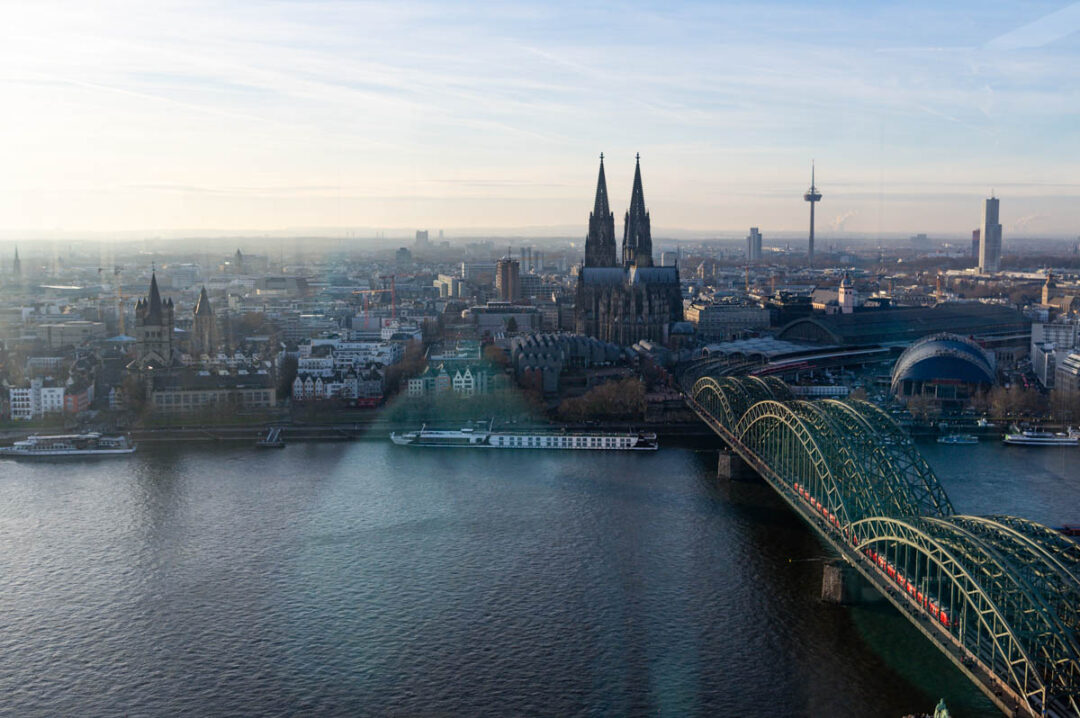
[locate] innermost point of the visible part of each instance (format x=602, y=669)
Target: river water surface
x=368, y=579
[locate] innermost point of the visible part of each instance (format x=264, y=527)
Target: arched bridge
x=1000, y=595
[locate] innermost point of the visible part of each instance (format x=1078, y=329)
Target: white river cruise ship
x=69, y=445
x=486, y=438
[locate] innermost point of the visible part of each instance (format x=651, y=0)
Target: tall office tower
x=753, y=245
x=975, y=245
x=990, y=243
x=637, y=234
x=600, y=242
x=813, y=197
x=508, y=279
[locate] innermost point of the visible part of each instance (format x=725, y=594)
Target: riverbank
x=690, y=434
x=380, y=431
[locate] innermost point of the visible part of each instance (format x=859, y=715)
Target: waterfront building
x=540, y=359
x=462, y=379
x=947, y=369
x=186, y=392
x=1051, y=343
x=975, y=233
x=1067, y=377
x=990, y=234
x=623, y=304
x=35, y=400
x=364, y=385
x=78, y=399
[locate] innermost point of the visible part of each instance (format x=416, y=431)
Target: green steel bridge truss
x=1000, y=590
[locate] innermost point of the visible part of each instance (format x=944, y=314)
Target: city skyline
x=264, y=118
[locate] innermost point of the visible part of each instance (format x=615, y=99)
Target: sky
x=241, y=116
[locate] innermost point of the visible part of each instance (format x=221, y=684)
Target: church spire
x=154, y=304
x=637, y=234
x=600, y=243
x=202, y=307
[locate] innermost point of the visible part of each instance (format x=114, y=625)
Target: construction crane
x=365, y=293
x=393, y=292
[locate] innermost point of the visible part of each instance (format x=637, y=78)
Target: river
x=366, y=579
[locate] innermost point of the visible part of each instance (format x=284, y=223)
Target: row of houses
x=39, y=400
x=364, y=385
x=462, y=379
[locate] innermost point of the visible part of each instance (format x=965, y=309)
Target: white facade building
x=35, y=401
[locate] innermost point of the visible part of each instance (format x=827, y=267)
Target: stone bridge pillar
x=730, y=465
x=842, y=584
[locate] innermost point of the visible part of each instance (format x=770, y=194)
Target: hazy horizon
x=252, y=118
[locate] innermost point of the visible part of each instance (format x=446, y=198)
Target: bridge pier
x=838, y=583
x=730, y=465
x=842, y=584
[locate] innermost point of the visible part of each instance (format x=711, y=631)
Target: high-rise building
x=975, y=245
x=508, y=279
x=990, y=243
x=813, y=197
x=753, y=245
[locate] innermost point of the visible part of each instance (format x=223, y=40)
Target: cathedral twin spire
x=637, y=235
x=600, y=244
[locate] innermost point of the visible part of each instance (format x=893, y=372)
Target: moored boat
x=272, y=440
x=958, y=439
x=1042, y=438
x=69, y=445
x=477, y=437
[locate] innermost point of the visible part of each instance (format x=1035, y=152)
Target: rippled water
x=339, y=579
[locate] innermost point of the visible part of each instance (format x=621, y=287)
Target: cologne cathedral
x=624, y=302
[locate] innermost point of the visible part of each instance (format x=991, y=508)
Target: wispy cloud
x=214, y=109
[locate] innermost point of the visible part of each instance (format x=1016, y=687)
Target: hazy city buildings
x=990, y=234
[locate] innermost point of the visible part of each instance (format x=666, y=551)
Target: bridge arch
x=1005, y=589
x=788, y=444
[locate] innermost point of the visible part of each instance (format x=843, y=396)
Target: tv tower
x=812, y=196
